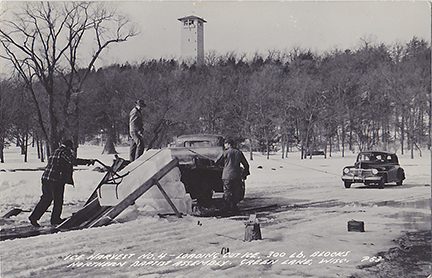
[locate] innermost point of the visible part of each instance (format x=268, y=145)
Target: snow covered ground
x=304, y=236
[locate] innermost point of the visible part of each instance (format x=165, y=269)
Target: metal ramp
x=138, y=177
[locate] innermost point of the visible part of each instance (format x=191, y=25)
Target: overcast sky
x=249, y=27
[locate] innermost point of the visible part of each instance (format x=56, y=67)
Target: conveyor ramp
x=122, y=186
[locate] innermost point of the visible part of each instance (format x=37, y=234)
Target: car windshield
x=376, y=158
x=197, y=144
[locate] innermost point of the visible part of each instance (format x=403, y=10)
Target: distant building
x=192, y=39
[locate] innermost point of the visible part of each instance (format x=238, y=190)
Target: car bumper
x=359, y=179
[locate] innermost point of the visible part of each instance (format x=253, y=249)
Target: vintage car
x=199, y=173
x=374, y=167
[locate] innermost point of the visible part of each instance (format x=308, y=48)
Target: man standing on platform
x=136, y=130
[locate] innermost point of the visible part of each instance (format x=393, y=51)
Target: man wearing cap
x=232, y=175
x=136, y=130
x=58, y=172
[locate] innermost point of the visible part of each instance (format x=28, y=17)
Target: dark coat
x=135, y=121
x=231, y=160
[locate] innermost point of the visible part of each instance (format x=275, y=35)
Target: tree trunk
x=302, y=151
x=325, y=151
x=418, y=148
x=402, y=128
x=250, y=148
x=47, y=149
x=312, y=147
x=283, y=150
x=338, y=148
x=429, y=132
x=26, y=148
x=412, y=149
x=109, y=147
x=343, y=141
x=268, y=149
x=22, y=145
x=42, y=158
x=1, y=150
x=53, y=140
x=283, y=146
x=75, y=140
x=38, y=148
x=76, y=123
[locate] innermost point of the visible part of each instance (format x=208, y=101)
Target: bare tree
x=48, y=44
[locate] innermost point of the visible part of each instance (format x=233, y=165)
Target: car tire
x=381, y=184
x=401, y=177
x=347, y=184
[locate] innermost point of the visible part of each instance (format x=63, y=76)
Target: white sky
x=248, y=27
x=258, y=26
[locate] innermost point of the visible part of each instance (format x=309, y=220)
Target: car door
x=392, y=169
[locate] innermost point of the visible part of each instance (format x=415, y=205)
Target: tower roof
x=192, y=17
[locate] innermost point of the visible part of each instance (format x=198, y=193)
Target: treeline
x=374, y=97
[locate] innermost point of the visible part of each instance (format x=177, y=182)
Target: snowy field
x=305, y=235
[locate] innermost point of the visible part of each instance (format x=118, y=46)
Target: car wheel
x=347, y=184
x=400, y=177
x=381, y=184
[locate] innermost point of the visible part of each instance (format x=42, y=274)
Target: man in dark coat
x=58, y=172
x=232, y=175
x=136, y=130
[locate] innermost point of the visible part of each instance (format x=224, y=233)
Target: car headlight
x=374, y=171
x=346, y=170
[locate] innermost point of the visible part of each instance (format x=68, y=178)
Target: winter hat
x=141, y=103
x=230, y=141
x=68, y=143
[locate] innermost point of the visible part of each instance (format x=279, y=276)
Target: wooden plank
x=168, y=200
x=129, y=200
x=88, y=212
x=26, y=231
x=252, y=232
x=252, y=229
